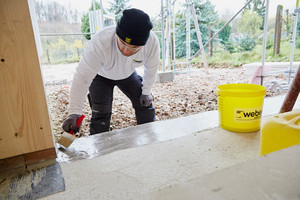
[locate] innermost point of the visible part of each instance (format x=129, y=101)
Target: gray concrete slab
x=275, y=176
x=276, y=67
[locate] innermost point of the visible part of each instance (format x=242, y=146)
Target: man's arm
x=85, y=72
x=87, y=69
x=151, y=67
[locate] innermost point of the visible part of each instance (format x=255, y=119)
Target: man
x=109, y=60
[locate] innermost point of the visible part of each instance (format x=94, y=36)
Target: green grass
x=222, y=57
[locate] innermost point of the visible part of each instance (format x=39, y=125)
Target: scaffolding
x=190, y=10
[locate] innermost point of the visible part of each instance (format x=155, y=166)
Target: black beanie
x=134, y=27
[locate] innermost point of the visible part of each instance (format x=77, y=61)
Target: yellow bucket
x=240, y=106
x=280, y=131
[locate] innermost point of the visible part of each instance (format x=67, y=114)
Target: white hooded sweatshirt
x=102, y=56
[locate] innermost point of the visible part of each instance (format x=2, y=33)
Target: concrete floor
x=275, y=176
x=142, y=161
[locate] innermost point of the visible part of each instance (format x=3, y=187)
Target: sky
x=153, y=7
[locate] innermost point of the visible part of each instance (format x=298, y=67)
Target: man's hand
x=146, y=100
x=70, y=123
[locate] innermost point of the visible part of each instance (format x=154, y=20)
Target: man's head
x=134, y=27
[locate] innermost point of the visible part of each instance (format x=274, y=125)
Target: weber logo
x=246, y=114
x=137, y=61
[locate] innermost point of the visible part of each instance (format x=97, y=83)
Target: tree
x=246, y=43
x=250, y=24
x=60, y=49
x=205, y=14
x=287, y=21
x=230, y=46
x=85, y=24
x=180, y=34
x=52, y=11
x=225, y=33
x=298, y=28
x=259, y=7
x=78, y=46
x=117, y=7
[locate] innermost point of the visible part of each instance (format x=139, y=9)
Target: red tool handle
x=78, y=122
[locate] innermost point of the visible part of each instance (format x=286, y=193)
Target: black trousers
x=101, y=96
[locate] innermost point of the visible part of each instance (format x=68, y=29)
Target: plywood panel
x=24, y=121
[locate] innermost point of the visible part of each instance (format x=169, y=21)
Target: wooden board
x=24, y=125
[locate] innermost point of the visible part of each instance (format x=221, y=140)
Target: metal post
x=163, y=36
x=278, y=26
x=174, y=30
x=168, y=33
x=210, y=34
x=293, y=41
x=102, y=11
x=264, y=43
x=188, y=37
x=199, y=37
x=94, y=16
